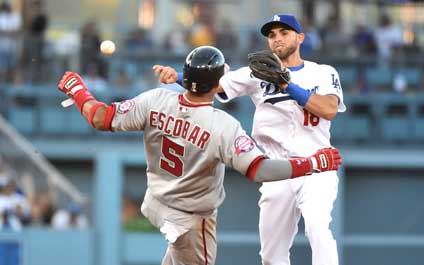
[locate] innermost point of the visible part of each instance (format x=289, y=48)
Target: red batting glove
x=71, y=83
x=73, y=86
x=323, y=160
x=326, y=159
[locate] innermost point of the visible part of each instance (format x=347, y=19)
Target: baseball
x=107, y=47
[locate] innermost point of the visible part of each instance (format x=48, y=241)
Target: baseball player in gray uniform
x=187, y=145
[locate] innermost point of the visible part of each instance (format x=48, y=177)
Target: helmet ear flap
x=203, y=68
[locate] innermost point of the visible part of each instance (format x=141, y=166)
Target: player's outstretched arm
x=167, y=74
x=324, y=106
x=326, y=159
x=98, y=114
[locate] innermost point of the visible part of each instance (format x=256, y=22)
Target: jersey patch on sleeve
x=243, y=144
x=125, y=106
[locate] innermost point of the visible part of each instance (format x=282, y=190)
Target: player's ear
x=300, y=37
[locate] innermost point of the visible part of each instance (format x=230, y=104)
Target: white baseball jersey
x=280, y=124
x=186, y=147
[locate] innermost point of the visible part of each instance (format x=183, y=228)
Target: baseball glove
x=266, y=66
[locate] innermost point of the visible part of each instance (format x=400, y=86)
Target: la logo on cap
x=276, y=18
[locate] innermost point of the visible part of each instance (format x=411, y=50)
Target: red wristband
x=109, y=114
x=82, y=96
x=93, y=110
x=300, y=167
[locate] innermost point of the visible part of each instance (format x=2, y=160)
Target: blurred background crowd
x=21, y=204
x=24, y=204
x=39, y=39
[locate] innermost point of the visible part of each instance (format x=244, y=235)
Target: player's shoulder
x=218, y=113
x=242, y=71
x=164, y=91
x=158, y=92
x=224, y=118
x=319, y=67
x=152, y=96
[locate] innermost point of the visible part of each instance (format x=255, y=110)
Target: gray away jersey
x=186, y=147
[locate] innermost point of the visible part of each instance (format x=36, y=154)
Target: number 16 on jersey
x=310, y=119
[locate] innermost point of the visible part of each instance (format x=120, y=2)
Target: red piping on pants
x=205, y=251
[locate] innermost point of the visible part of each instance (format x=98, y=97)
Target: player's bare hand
x=283, y=87
x=167, y=74
x=326, y=159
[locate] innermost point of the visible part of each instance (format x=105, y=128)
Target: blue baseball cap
x=282, y=19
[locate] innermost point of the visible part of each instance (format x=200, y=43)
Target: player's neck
x=198, y=99
x=293, y=61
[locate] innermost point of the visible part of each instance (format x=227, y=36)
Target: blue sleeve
x=180, y=78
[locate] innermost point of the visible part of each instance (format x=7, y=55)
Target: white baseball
x=107, y=47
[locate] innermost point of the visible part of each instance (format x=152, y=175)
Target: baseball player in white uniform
x=187, y=145
x=292, y=124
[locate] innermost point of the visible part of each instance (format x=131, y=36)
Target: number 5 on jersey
x=309, y=118
x=171, y=157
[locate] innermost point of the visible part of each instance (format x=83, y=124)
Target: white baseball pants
x=191, y=237
x=281, y=205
